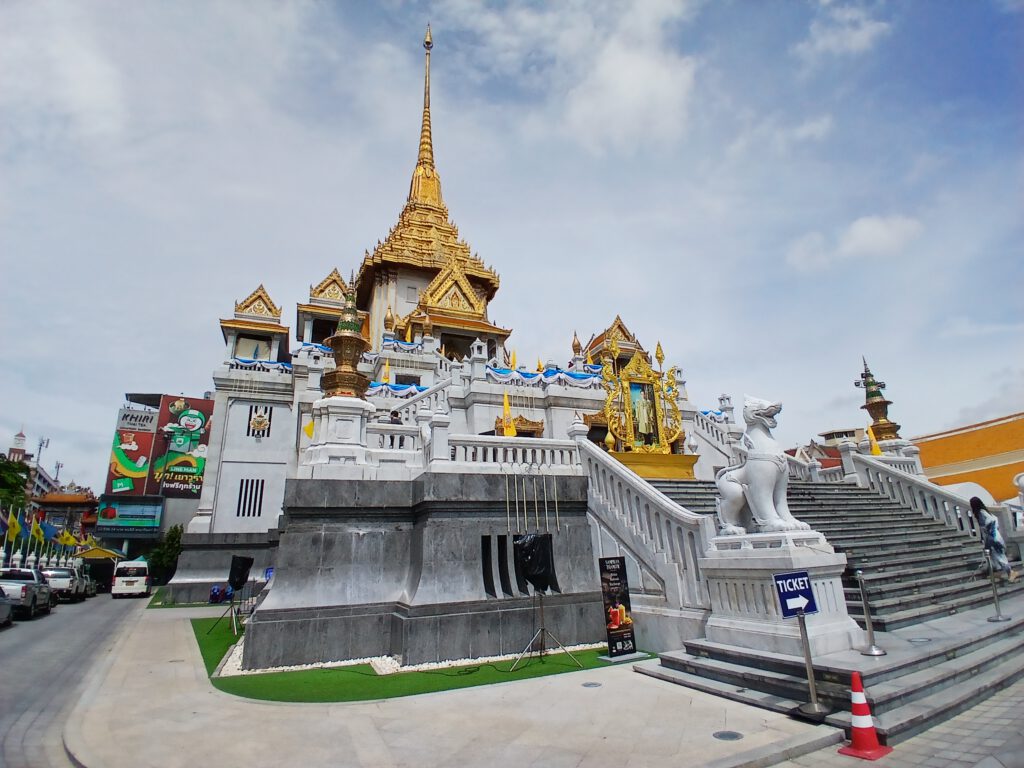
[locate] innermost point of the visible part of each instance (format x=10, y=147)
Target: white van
x=131, y=577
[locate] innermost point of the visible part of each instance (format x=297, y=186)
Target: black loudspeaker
x=239, y=573
x=536, y=560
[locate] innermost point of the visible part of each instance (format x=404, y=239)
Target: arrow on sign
x=799, y=602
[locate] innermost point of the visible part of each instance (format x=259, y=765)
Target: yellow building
x=989, y=453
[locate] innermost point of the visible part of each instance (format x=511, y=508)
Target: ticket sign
x=795, y=593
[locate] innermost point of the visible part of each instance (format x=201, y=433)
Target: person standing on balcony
x=992, y=539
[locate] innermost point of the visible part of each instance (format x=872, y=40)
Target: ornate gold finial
x=659, y=355
x=877, y=406
x=426, y=185
x=389, y=320
x=609, y=440
x=347, y=346
x=576, y=346
x=428, y=326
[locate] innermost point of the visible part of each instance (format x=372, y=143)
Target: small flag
x=37, y=532
x=875, y=450
x=540, y=366
x=514, y=360
x=386, y=377
x=590, y=360
x=308, y=429
x=508, y=428
x=408, y=333
x=14, y=525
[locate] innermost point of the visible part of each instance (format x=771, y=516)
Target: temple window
x=252, y=348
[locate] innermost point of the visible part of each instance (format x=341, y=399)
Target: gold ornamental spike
x=659, y=355
x=426, y=185
x=576, y=346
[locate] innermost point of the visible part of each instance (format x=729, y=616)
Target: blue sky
x=771, y=189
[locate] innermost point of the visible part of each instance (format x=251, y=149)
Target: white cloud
x=962, y=327
x=814, y=130
x=868, y=236
x=841, y=31
x=606, y=75
x=878, y=236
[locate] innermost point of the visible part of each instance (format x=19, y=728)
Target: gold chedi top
x=424, y=237
x=347, y=345
x=877, y=405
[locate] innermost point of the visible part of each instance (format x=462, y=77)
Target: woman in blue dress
x=992, y=539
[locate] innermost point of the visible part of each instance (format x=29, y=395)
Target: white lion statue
x=754, y=490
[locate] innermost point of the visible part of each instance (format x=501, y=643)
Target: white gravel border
x=382, y=665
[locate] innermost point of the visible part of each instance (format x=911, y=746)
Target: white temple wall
x=253, y=464
x=401, y=292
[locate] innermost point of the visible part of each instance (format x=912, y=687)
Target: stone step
x=896, y=550
x=883, y=563
x=889, y=604
x=925, y=580
x=905, y=617
x=906, y=695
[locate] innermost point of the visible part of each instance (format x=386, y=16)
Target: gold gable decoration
x=331, y=289
x=451, y=291
x=640, y=404
x=258, y=304
x=523, y=426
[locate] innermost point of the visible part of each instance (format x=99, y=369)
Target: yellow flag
x=875, y=450
x=386, y=378
x=540, y=366
x=513, y=361
x=408, y=333
x=13, y=524
x=508, y=428
x=590, y=360
x=37, y=532
x=308, y=429
x=67, y=539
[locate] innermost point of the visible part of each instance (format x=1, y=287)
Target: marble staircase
x=915, y=568
x=944, y=655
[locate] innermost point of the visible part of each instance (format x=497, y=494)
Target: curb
x=72, y=735
x=772, y=754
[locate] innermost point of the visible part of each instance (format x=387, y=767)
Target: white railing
x=916, y=492
x=492, y=454
x=665, y=539
x=899, y=463
x=811, y=472
x=433, y=399
x=832, y=474
x=712, y=432
x=393, y=437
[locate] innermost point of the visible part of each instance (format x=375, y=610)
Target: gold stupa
x=451, y=285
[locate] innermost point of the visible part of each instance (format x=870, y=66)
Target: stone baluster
x=439, y=426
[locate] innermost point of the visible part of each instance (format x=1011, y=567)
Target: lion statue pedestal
x=739, y=566
x=745, y=609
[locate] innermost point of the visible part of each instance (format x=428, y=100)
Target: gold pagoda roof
x=256, y=312
x=617, y=332
x=424, y=237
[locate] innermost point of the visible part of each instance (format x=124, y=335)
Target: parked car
x=6, y=609
x=131, y=577
x=29, y=590
x=66, y=583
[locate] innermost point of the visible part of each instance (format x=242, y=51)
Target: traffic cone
x=863, y=739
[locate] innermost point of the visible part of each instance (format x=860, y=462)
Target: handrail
x=494, y=454
x=407, y=409
x=917, y=493
x=712, y=432
x=667, y=538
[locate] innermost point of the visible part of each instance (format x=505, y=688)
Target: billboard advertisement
x=130, y=518
x=131, y=453
x=183, y=433
x=618, y=612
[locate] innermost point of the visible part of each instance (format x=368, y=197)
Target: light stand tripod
x=540, y=633
x=234, y=617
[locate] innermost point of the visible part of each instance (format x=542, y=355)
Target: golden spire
x=426, y=184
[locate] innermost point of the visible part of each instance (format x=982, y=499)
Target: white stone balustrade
x=493, y=455
x=712, y=432
x=664, y=538
x=433, y=399
x=384, y=436
x=890, y=479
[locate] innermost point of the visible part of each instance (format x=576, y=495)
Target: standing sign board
x=184, y=429
x=617, y=610
x=795, y=593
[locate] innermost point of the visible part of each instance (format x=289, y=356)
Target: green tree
x=13, y=479
x=163, y=558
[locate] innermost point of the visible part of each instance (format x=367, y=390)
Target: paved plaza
x=149, y=703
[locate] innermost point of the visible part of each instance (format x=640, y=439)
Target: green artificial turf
x=159, y=598
x=361, y=683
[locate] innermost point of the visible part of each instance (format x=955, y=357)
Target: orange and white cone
x=863, y=739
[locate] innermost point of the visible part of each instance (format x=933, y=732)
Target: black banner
x=618, y=615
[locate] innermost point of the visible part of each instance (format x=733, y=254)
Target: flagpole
x=7, y=535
